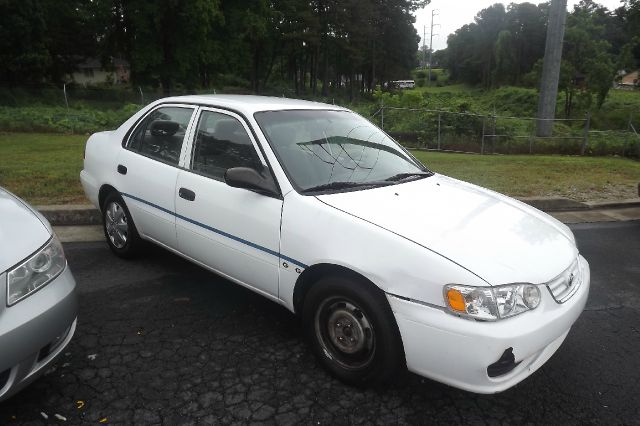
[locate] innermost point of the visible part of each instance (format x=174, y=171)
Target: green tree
x=461, y=57
x=630, y=15
x=168, y=41
x=527, y=24
x=346, y=47
x=506, y=64
x=24, y=57
x=71, y=35
x=491, y=21
x=588, y=55
x=500, y=47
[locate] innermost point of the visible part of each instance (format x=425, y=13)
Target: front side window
x=221, y=143
x=160, y=134
x=324, y=150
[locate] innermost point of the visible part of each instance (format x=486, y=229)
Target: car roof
x=249, y=104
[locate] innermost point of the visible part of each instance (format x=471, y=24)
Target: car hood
x=499, y=239
x=21, y=231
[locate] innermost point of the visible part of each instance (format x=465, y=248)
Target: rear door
x=148, y=170
x=231, y=230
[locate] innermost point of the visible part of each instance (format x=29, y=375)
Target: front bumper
x=457, y=351
x=35, y=331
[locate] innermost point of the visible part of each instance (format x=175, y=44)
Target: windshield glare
x=318, y=148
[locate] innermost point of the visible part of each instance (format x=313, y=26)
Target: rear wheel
x=352, y=330
x=119, y=229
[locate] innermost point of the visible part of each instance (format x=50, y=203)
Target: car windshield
x=324, y=150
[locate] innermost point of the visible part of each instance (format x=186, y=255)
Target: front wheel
x=119, y=229
x=353, y=331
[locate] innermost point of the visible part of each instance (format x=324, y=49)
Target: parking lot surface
x=160, y=340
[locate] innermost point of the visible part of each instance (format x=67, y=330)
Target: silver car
x=38, y=304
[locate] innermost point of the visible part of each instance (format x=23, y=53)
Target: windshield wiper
x=403, y=176
x=347, y=184
x=343, y=185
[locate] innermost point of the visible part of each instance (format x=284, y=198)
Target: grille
x=567, y=283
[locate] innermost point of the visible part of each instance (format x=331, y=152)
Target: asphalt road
x=162, y=341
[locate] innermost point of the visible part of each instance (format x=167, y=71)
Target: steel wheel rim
x=345, y=333
x=116, y=225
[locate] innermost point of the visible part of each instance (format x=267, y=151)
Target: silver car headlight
x=35, y=272
x=491, y=303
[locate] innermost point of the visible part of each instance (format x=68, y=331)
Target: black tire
x=116, y=224
x=352, y=331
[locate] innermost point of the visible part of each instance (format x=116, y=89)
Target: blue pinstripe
x=218, y=231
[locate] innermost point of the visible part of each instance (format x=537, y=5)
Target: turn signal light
x=456, y=300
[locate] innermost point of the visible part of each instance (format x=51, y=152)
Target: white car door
x=148, y=170
x=231, y=230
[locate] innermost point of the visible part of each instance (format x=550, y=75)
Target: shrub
x=63, y=120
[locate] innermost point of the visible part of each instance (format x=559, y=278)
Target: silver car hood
x=22, y=232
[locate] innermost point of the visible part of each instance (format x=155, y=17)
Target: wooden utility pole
x=551, y=68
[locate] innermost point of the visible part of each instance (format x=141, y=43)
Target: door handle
x=122, y=169
x=187, y=194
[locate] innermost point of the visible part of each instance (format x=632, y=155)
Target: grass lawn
x=45, y=168
x=577, y=178
x=42, y=168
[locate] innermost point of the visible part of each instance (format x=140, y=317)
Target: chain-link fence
x=76, y=95
x=72, y=108
x=79, y=109
x=442, y=130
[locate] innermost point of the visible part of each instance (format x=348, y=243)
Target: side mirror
x=248, y=178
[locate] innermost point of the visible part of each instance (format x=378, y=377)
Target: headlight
x=491, y=303
x=35, y=272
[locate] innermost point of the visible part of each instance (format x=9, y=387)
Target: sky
x=453, y=14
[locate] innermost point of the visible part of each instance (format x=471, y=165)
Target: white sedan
x=388, y=264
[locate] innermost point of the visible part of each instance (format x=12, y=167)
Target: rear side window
x=160, y=134
x=221, y=143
